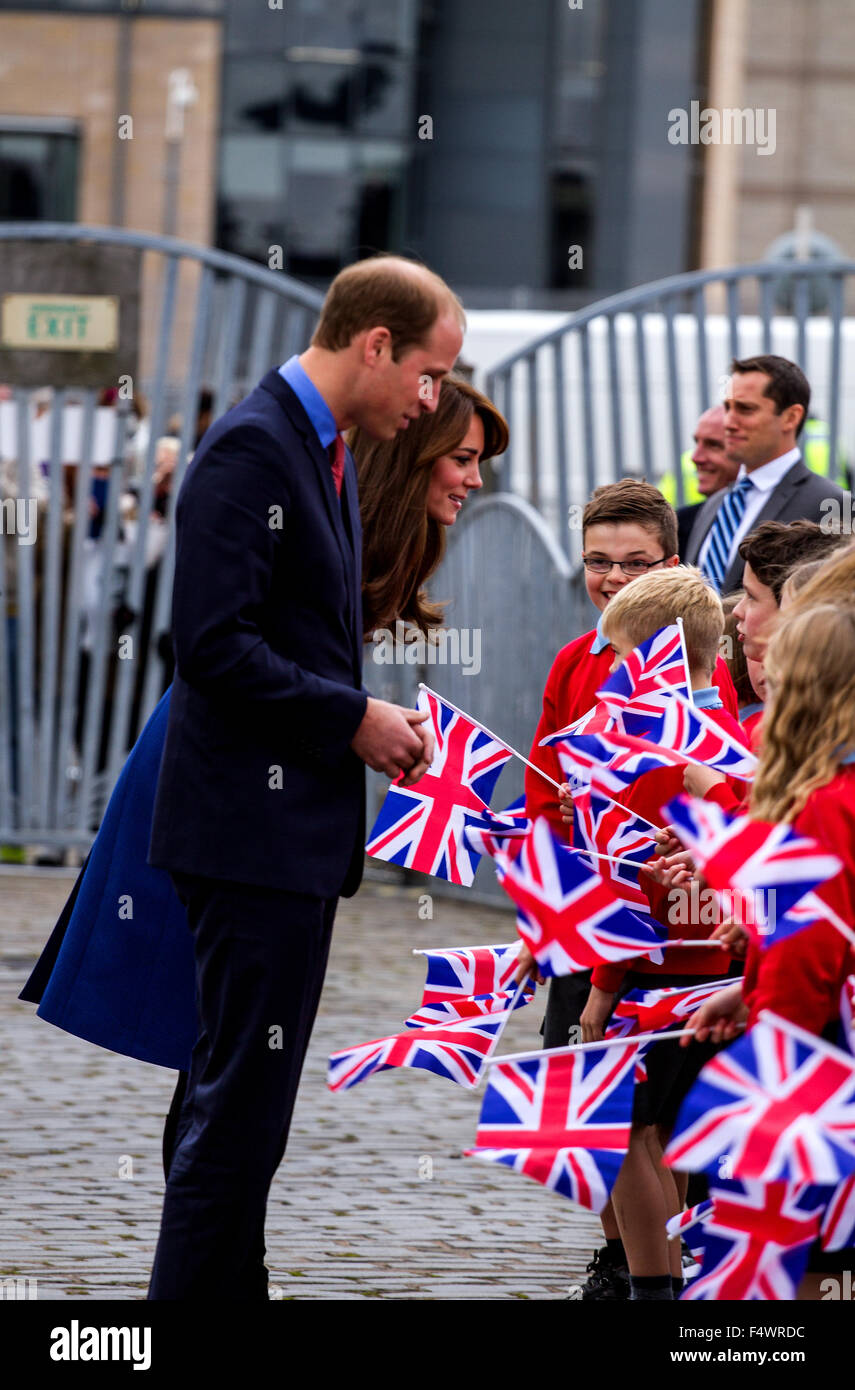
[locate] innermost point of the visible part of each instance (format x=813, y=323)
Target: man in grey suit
x=766, y=406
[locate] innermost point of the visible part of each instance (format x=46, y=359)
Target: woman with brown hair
x=410, y=489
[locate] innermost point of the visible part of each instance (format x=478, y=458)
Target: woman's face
x=455, y=475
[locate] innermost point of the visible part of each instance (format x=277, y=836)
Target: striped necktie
x=727, y=522
x=336, y=456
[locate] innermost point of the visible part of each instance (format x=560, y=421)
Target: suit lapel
x=703, y=521
x=776, y=503
x=781, y=495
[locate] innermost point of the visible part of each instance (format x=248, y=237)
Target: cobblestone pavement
x=372, y=1200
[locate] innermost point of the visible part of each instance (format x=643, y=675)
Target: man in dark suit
x=766, y=406
x=259, y=814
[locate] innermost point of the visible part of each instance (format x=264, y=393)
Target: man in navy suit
x=766, y=406
x=259, y=815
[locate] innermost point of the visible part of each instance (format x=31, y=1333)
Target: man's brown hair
x=787, y=384
x=384, y=292
x=777, y=547
x=633, y=501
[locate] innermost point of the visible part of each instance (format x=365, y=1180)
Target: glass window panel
x=255, y=94
x=147, y=7
x=249, y=226
x=579, y=69
x=384, y=99
x=577, y=110
x=323, y=95
x=38, y=177
x=387, y=26
x=251, y=166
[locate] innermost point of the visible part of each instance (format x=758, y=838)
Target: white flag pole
x=685, y=659
x=589, y=1047
x=488, y=732
x=687, y=1225
x=612, y=858
x=625, y=1041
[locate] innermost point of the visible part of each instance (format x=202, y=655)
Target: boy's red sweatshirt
x=801, y=978
x=571, y=690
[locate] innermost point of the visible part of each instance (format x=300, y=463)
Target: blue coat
x=118, y=969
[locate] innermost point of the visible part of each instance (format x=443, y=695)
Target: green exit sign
x=67, y=322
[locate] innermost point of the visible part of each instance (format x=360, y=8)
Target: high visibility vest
x=668, y=483
x=816, y=451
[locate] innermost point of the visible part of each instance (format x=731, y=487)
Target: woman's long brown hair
x=402, y=545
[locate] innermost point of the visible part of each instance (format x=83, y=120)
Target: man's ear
x=672, y=560
x=794, y=416
x=377, y=345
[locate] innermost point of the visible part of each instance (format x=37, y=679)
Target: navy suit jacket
x=258, y=783
x=799, y=496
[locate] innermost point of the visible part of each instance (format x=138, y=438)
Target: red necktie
x=336, y=453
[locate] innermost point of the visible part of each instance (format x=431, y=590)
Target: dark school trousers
x=261, y=956
x=565, y=1003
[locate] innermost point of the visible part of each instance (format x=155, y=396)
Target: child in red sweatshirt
x=646, y=1193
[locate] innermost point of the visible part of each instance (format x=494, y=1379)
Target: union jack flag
x=452, y=1010
x=599, y=763
x=584, y=1177
x=469, y=972
x=754, y=1241
x=685, y=1220
x=486, y=832
x=596, y=720
x=570, y=920
x=421, y=827
x=838, y=1221
x=609, y=829
x=780, y=1103
x=687, y=734
x=455, y=1051
x=813, y=908
x=634, y=694
x=770, y=862
x=539, y=1113
x=649, y=1010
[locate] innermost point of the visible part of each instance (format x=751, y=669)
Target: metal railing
x=616, y=389
x=74, y=691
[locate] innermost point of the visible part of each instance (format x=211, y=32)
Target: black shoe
x=606, y=1281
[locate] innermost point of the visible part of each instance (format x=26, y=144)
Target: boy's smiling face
x=616, y=541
